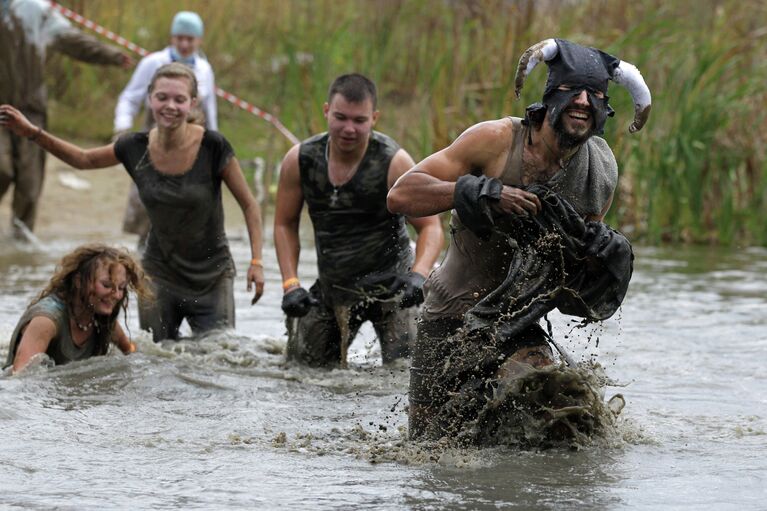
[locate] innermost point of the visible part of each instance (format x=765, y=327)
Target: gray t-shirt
x=187, y=248
x=62, y=348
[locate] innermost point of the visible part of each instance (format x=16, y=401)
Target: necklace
x=87, y=325
x=334, y=195
x=81, y=326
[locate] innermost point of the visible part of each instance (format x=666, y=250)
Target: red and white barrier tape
x=77, y=18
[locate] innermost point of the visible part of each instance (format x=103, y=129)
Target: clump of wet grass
x=696, y=173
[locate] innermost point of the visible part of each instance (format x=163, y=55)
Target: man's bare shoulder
x=484, y=144
x=496, y=131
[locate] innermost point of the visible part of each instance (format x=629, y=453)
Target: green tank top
x=62, y=348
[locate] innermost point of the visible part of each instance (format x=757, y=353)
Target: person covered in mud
x=186, y=33
x=367, y=271
x=178, y=167
x=76, y=316
x=28, y=30
x=527, y=194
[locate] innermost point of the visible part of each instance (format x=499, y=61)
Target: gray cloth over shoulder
x=588, y=181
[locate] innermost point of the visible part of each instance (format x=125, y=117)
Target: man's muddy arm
x=428, y=188
x=287, y=215
x=86, y=48
x=429, y=244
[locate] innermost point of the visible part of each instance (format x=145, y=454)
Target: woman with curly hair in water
x=179, y=168
x=75, y=316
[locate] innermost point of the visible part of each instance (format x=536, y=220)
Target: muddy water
x=223, y=423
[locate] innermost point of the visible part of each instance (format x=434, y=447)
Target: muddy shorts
x=163, y=315
x=315, y=339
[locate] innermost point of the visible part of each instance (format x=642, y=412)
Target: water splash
x=556, y=405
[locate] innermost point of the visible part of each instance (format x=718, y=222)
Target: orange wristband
x=256, y=262
x=291, y=282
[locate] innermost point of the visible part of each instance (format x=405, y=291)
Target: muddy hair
x=80, y=266
x=355, y=87
x=176, y=70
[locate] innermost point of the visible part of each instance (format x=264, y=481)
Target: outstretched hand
x=12, y=119
x=256, y=277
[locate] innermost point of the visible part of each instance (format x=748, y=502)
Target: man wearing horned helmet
x=491, y=175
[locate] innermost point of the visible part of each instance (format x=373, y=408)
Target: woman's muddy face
x=107, y=288
x=171, y=101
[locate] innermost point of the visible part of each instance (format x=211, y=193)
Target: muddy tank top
x=355, y=234
x=62, y=348
x=187, y=247
x=473, y=267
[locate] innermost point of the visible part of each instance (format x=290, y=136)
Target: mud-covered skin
x=356, y=237
x=28, y=30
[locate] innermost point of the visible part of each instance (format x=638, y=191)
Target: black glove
x=411, y=288
x=296, y=303
x=473, y=198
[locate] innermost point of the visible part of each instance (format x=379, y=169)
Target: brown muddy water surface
x=222, y=422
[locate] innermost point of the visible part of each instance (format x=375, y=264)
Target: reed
x=697, y=173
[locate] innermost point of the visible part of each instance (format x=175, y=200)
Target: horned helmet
x=582, y=68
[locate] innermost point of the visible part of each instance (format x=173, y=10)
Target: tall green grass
x=696, y=173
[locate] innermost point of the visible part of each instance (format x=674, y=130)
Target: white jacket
x=135, y=93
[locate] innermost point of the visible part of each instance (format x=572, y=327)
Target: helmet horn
x=629, y=76
x=534, y=55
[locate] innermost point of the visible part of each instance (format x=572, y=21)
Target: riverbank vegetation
x=696, y=173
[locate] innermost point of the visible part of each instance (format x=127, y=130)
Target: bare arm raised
x=429, y=187
x=79, y=158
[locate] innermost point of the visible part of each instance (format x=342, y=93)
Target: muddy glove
x=473, y=200
x=410, y=286
x=296, y=303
